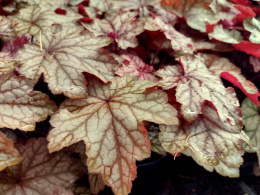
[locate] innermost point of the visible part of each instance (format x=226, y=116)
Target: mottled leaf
x=132, y=4
x=123, y=27
x=66, y=53
x=195, y=85
x=253, y=26
x=207, y=137
x=109, y=122
x=251, y=120
x=34, y=18
x=96, y=183
x=227, y=70
x=9, y=156
x=20, y=106
x=134, y=66
x=40, y=172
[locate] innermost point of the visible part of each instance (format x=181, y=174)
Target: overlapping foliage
x=138, y=75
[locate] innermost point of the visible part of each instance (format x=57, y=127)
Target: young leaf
x=34, y=18
x=224, y=68
x=255, y=63
x=179, y=41
x=134, y=66
x=9, y=156
x=40, y=172
x=207, y=137
x=96, y=183
x=6, y=29
x=20, y=106
x=66, y=53
x=109, y=122
x=196, y=84
x=253, y=25
x=156, y=145
x=251, y=120
x=123, y=27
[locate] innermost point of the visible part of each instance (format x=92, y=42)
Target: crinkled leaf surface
x=196, y=84
x=179, y=41
x=227, y=70
x=40, y=172
x=7, y=63
x=222, y=168
x=109, y=122
x=9, y=156
x=20, y=106
x=96, y=183
x=6, y=29
x=207, y=137
x=66, y=53
x=225, y=35
x=251, y=120
x=199, y=13
x=34, y=18
x=134, y=66
x=123, y=27
x=253, y=25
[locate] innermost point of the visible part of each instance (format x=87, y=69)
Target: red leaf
x=13, y=46
x=249, y=48
x=232, y=79
x=60, y=11
x=245, y=13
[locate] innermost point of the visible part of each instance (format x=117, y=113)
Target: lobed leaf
x=40, y=172
x=207, y=137
x=123, y=27
x=110, y=123
x=34, y=18
x=251, y=120
x=9, y=156
x=196, y=84
x=134, y=66
x=66, y=53
x=20, y=106
x=253, y=25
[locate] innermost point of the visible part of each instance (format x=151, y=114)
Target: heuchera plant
x=138, y=75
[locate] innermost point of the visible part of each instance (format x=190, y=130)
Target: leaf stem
x=157, y=51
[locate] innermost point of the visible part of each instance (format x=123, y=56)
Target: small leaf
x=253, y=26
x=96, y=183
x=40, y=172
x=156, y=145
x=66, y=53
x=9, y=156
x=123, y=27
x=20, y=106
x=251, y=120
x=110, y=123
x=207, y=137
x=255, y=62
x=134, y=66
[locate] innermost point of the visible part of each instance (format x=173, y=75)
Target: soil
x=183, y=176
